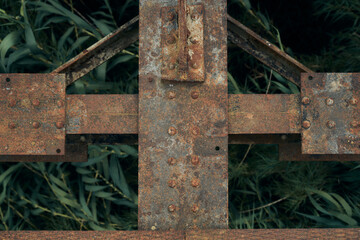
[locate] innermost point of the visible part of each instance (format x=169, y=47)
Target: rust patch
x=331, y=113
x=30, y=114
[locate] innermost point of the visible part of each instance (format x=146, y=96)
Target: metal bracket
x=330, y=113
x=182, y=42
x=32, y=110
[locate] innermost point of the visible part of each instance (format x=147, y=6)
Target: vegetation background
x=40, y=35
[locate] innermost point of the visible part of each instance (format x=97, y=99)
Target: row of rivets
x=36, y=125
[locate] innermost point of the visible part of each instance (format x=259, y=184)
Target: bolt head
x=193, y=40
x=171, y=183
x=329, y=101
x=171, y=40
x=171, y=208
x=171, y=95
x=36, y=125
x=195, y=16
x=330, y=124
x=195, y=160
x=194, y=65
x=195, y=94
x=354, y=124
x=195, y=131
x=171, y=161
x=195, y=208
x=12, y=103
x=306, y=124
x=195, y=182
x=305, y=100
x=353, y=101
x=35, y=102
x=172, y=131
x=59, y=125
x=60, y=103
x=12, y=125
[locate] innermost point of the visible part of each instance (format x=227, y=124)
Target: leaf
x=9, y=41
x=118, y=177
x=94, y=188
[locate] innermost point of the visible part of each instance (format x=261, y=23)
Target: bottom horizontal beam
x=312, y=233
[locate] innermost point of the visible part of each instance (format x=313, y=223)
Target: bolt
x=12, y=125
x=12, y=103
x=172, y=131
x=171, y=183
x=329, y=101
x=195, y=131
x=195, y=182
x=171, y=66
x=60, y=103
x=195, y=208
x=172, y=208
x=59, y=125
x=193, y=40
x=171, y=95
x=353, y=101
x=305, y=100
x=171, y=161
x=194, y=16
x=306, y=124
x=170, y=16
x=195, y=160
x=36, y=125
x=354, y=124
x=330, y=124
x=195, y=94
x=171, y=40
x=194, y=65
x=35, y=102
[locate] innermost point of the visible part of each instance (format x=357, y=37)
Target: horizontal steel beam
x=236, y=234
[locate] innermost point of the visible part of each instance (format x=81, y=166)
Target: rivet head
x=195, y=182
x=59, y=125
x=170, y=16
x=35, y=102
x=195, y=208
x=305, y=100
x=195, y=160
x=60, y=103
x=171, y=66
x=171, y=208
x=12, y=125
x=194, y=65
x=329, y=101
x=330, y=124
x=12, y=103
x=171, y=161
x=310, y=77
x=193, y=40
x=171, y=95
x=195, y=131
x=306, y=124
x=171, y=183
x=353, y=101
x=172, y=131
x=354, y=124
x=195, y=94
x=36, y=125
x=150, y=79
x=194, y=16
x=171, y=40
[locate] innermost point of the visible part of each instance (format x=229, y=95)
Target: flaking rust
x=330, y=113
x=183, y=126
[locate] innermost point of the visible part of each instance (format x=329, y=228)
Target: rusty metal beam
x=265, y=52
x=100, y=52
x=232, y=234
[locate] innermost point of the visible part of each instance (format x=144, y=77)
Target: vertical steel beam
x=183, y=126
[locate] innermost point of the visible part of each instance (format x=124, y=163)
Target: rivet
x=36, y=125
x=306, y=124
x=195, y=208
x=59, y=125
x=171, y=66
x=172, y=131
x=195, y=94
x=194, y=65
x=171, y=183
x=6, y=147
x=154, y=54
x=12, y=103
x=195, y=182
x=35, y=102
x=170, y=16
x=195, y=131
x=171, y=40
x=171, y=161
x=330, y=124
x=171, y=95
x=60, y=103
x=329, y=101
x=172, y=208
x=195, y=160
x=12, y=125
x=354, y=124
x=194, y=16
x=353, y=101
x=150, y=79
x=193, y=40
x=305, y=100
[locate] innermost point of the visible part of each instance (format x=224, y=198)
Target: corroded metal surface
x=32, y=110
x=183, y=129
x=330, y=113
x=100, y=52
x=265, y=51
x=102, y=114
x=75, y=152
x=182, y=42
x=264, y=113
x=292, y=152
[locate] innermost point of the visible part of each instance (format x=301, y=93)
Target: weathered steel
x=264, y=114
x=183, y=129
x=32, y=110
x=263, y=138
x=182, y=42
x=292, y=152
x=75, y=152
x=102, y=114
x=265, y=52
x=330, y=113
x=100, y=52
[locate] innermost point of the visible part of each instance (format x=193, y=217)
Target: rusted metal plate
x=102, y=114
x=264, y=113
x=32, y=110
x=263, y=138
x=75, y=152
x=182, y=42
x=183, y=129
x=330, y=113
